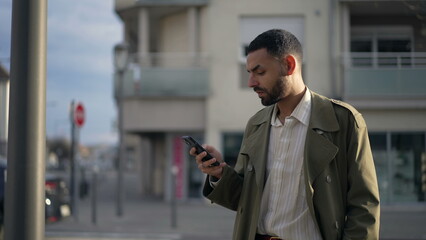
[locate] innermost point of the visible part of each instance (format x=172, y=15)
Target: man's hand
x=205, y=167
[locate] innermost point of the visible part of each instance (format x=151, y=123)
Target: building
x=4, y=109
x=187, y=77
x=383, y=61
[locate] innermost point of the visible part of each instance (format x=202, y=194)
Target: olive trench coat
x=340, y=178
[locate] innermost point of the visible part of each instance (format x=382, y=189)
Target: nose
x=252, y=81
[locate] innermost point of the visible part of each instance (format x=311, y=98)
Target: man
x=305, y=168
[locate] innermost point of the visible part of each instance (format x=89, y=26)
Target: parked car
x=57, y=197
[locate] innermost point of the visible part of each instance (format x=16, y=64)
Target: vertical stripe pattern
x=284, y=211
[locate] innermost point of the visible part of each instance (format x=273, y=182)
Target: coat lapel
x=319, y=150
x=256, y=144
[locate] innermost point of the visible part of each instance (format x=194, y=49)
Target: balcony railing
x=167, y=75
x=125, y=4
x=385, y=75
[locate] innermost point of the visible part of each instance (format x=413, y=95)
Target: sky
x=81, y=36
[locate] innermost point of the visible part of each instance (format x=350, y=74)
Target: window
x=397, y=157
x=231, y=147
x=381, y=46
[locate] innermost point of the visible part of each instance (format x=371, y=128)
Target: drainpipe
x=332, y=51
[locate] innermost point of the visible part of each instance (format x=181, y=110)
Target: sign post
x=77, y=117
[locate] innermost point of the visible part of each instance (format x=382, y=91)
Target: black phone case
x=198, y=149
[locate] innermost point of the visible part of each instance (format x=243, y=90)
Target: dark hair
x=278, y=43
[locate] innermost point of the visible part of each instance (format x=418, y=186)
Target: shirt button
x=328, y=179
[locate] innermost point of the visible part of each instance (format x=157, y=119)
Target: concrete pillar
x=345, y=29
x=143, y=37
x=193, y=35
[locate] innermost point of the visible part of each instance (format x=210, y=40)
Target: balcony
x=125, y=4
x=384, y=76
x=166, y=75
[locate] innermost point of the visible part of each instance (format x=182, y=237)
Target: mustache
x=255, y=89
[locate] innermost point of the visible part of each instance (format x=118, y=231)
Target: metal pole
x=120, y=187
x=24, y=215
x=72, y=164
x=94, y=195
x=173, y=208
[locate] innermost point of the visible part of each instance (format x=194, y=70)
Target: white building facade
x=188, y=77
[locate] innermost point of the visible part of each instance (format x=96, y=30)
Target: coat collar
x=323, y=120
x=322, y=115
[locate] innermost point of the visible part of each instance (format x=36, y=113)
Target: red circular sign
x=79, y=115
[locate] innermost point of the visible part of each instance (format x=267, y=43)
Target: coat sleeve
x=363, y=209
x=227, y=192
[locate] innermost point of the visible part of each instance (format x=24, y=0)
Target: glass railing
x=385, y=75
x=166, y=75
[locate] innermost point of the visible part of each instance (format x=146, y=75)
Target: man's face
x=266, y=76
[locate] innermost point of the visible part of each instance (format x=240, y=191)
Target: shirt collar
x=302, y=112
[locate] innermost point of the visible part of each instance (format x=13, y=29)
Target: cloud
x=85, y=32
x=80, y=38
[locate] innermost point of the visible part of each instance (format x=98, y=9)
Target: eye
x=261, y=73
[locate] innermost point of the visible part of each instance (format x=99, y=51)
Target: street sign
x=79, y=115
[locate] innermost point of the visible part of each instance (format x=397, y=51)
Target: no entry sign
x=79, y=115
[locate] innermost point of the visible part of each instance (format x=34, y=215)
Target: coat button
x=250, y=168
x=328, y=179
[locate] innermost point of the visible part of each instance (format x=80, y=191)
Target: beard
x=273, y=95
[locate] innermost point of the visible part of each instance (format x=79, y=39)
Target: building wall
x=158, y=115
x=325, y=32
x=174, y=33
x=395, y=120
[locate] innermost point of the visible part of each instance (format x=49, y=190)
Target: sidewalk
x=151, y=219
x=146, y=220
x=142, y=219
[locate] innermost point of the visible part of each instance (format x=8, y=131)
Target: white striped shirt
x=284, y=211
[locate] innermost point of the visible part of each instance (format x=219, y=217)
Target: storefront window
x=398, y=158
x=378, y=145
x=406, y=151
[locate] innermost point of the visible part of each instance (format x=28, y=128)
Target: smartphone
x=198, y=149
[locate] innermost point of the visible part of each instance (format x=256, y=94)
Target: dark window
x=361, y=46
x=231, y=147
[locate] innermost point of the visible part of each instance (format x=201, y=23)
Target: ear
x=290, y=61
